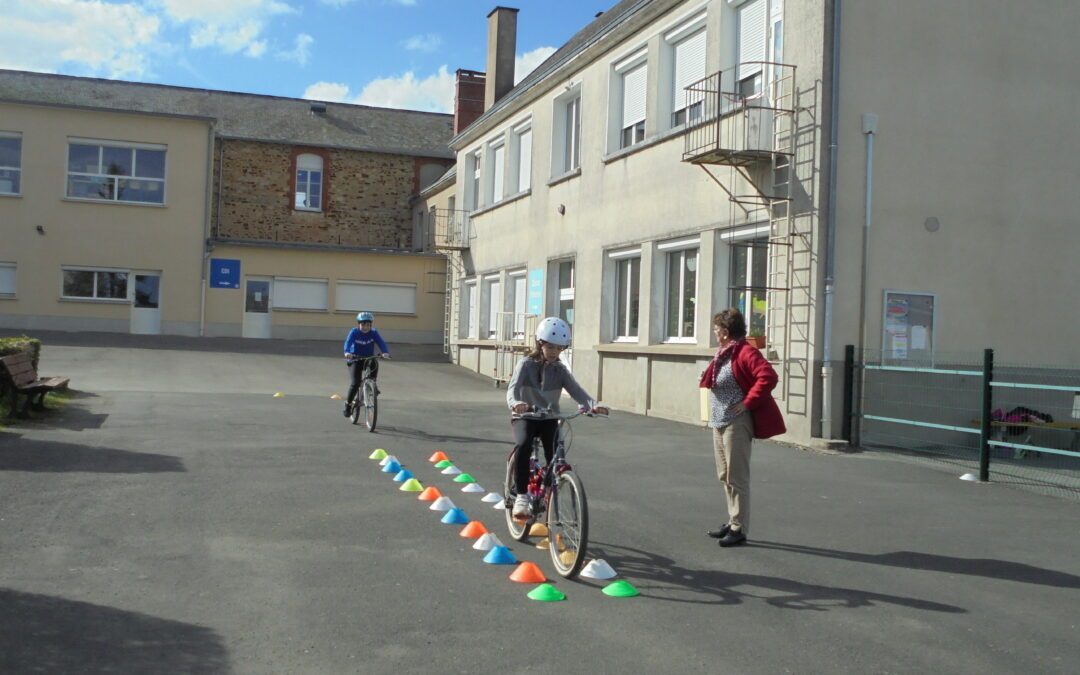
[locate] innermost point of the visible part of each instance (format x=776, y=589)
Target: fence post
x=984, y=430
x=849, y=391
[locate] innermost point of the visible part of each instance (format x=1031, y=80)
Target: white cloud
x=234, y=26
x=301, y=51
x=101, y=38
x=434, y=93
x=423, y=43
x=337, y=3
x=527, y=62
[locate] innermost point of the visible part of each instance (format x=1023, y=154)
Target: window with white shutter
x=752, y=45
x=292, y=293
x=689, y=67
x=498, y=155
x=524, y=171
x=633, y=105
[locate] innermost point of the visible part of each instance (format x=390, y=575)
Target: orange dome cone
x=438, y=457
x=528, y=573
x=430, y=494
x=474, y=530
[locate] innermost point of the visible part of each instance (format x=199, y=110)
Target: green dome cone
x=378, y=454
x=411, y=485
x=620, y=589
x=443, y=464
x=464, y=478
x=547, y=593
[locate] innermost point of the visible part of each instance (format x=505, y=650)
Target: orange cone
x=438, y=457
x=528, y=573
x=430, y=494
x=474, y=530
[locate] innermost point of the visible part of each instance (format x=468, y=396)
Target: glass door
x=257, y=307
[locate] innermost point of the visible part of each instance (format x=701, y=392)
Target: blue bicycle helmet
x=365, y=316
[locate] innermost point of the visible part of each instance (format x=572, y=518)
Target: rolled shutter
x=634, y=96
x=751, y=37
x=689, y=67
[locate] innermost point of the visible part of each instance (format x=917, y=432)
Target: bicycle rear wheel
x=568, y=525
x=518, y=529
x=371, y=404
x=357, y=404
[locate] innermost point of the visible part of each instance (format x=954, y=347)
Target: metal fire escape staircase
x=746, y=142
x=452, y=233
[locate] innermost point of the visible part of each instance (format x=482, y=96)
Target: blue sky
x=399, y=53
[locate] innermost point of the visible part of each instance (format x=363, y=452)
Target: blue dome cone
x=500, y=555
x=403, y=475
x=455, y=516
x=391, y=467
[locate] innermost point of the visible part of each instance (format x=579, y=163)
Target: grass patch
x=54, y=400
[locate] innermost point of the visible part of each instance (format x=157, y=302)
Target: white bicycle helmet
x=554, y=330
x=365, y=316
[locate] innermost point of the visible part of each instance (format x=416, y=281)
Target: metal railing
x=451, y=227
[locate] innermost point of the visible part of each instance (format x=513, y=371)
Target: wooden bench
x=22, y=378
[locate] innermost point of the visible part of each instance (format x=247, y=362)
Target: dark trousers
x=524, y=433
x=358, y=371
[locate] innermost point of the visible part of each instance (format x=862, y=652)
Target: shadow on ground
x=47, y=634
x=407, y=432
x=20, y=454
x=662, y=578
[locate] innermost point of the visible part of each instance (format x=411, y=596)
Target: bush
x=14, y=345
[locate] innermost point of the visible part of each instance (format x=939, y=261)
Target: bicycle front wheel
x=519, y=529
x=371, y=404
x=568, y=525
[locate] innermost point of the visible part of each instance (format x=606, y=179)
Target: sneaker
x=732, y=538
x=522, y=509
x=720, y=533
x=346, y=411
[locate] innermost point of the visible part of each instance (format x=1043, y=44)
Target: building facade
x=299, y=212
x=809, y=161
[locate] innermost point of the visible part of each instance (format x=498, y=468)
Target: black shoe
x=721, y=533
x=732, y=538
x=347, y=410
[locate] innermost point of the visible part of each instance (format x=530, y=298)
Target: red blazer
x=757, y=379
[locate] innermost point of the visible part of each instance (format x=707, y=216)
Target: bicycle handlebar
x=545, y=414
x=352, y=357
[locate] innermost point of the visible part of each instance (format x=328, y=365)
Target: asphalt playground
x=176, y=517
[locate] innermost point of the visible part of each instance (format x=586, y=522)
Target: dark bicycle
x=367, y=398
x=555, y=491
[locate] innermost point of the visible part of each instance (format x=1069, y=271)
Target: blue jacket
x=363, y=344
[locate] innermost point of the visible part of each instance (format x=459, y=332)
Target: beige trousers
x=731, y=446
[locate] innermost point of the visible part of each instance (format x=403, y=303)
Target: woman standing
x=741, y=408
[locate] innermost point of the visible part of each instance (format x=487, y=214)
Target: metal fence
x=1005, y=422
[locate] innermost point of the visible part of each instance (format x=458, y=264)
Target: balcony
x=739, y=122
x=451, y=228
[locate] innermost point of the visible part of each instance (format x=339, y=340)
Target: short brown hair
x=732, y=320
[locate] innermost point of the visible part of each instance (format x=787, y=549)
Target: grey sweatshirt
x=525, y=385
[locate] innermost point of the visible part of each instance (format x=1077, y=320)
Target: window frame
x=625, y=135
x=471, y=309
x=96, y=271
x=14, y=267
x=680, y=248
x=514, y=158
x=566, y=132
x=101, y=146
x=689, y=30
x=474, y=165
x=622, y=333
x=15, y=169
x=513, y=277
x=322, y=182
x=757, y=246
x=278, y=303
x=496, y=171
x=492, y=283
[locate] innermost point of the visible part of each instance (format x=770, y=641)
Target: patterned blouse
x=725, y=393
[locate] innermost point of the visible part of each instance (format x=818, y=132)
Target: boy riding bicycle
x=537, y=383
x=359, y=350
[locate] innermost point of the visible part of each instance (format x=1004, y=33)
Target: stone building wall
x=365, y=195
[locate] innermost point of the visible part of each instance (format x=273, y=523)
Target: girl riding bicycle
x=359, y=348
x=537, y=383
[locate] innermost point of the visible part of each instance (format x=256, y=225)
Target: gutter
x=830, y=228
x=206, y=245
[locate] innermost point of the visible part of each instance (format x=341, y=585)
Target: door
x=146, y=304
x=566, y=305
x=256, y=307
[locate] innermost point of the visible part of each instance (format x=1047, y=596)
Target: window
x=688, y=67
x=10, y=164
x=751, y=46
x=374, y=296
x=566, y=291
x=627, y=289
x=633, y=106
x=309, y=182
x=523, y=164
x=471, y=310
x=7, y=279
x=682, y=262
x=115, y=173
x=566, y=134
x=748, y=282
x=518, y=302
x=498, y=159
x=291, y=293
x=94, y=284
x=908, y=327
x=492, y=297
x=473, y=197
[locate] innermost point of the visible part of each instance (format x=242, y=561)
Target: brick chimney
x=501, y=49
x=468, y=98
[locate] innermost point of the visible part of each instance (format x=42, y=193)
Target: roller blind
x=751, y=37
x=357, y=296
x=300, y=293
x=633, y=96
x=689, y=67
x=525, y=161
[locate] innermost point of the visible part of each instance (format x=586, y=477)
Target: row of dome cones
x=497, y=553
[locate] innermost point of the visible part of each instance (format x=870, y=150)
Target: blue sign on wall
x=535, y=304
x=224, y=273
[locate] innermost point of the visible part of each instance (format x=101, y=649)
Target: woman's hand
x=519, y=408
x=600, y=410
x=738, y=408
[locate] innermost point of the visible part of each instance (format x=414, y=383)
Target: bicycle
x=367, y=397
x=554, y=490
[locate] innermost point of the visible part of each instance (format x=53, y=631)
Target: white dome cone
x=441, y=504
x=969, y=476
x=491, y=497
x=386, y=460
x=598, y=569
x=472, y=487
x=451, y=471
x=487, y=542
x=499, y=504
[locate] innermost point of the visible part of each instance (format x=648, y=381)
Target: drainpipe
x=830, y=228
x=206, y=227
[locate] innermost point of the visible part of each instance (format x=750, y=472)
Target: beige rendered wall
x=98, y=234
x=976, y=110
x=225, y=307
